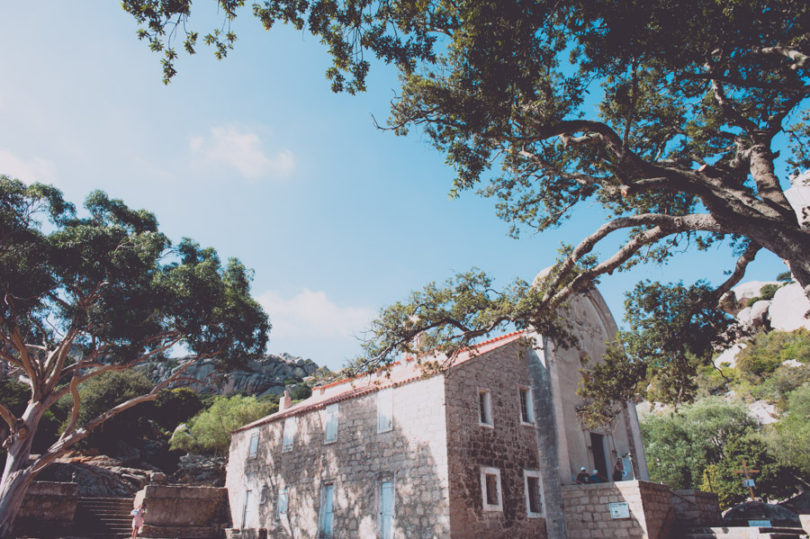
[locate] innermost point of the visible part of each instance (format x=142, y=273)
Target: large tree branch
x=7, y=416
x=797, y=58
x=664, y=226
x=739, y=271
x=65, y=442
x=84, y=376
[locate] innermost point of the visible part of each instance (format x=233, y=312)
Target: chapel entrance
x=598, y=450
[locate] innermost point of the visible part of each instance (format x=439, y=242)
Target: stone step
x=727, y=532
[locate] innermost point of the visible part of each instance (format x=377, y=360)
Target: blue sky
x=256, y=157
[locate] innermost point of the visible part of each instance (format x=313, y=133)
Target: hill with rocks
x=261, y=377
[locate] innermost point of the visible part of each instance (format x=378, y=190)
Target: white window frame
x=330, y=423
x=529, y=401
x=325, y=530
x=282, y=502
x=288, y=436
x=385, y=410
x=487, y=395
x=380, y=530
x=253, y=448
x=485, y=471
x=535, y=474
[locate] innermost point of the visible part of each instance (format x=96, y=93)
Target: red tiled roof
x=399, y=374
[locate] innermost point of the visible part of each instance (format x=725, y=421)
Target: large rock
x=257, y=377
x=788, y=308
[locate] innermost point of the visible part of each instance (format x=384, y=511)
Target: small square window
x=491, y=489
x=254, y=445
x=533, y=486
x=485, y=408
x=526, y=405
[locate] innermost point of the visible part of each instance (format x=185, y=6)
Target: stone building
x=482, y=449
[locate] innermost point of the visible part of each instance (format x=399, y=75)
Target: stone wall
x=48, y=509
x=509, y=445
x=184, y=512
x=413, y=455
x=695, y=508
x=587, y=510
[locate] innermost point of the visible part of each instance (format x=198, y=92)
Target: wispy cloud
x=34, y=169
x=328, y=331
x=242, y=150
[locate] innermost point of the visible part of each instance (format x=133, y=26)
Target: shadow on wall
x=363, y=483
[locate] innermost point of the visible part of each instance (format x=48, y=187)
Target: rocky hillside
x=259, y=377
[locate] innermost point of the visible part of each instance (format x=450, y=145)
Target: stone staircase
x=744, y=533
x=106, y=518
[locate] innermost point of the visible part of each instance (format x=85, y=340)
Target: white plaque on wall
x=619, y=510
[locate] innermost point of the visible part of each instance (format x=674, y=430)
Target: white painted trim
x=487, y=407
x=529, y=405
x=485, y=471
x=536, y=474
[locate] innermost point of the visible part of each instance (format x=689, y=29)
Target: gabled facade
x=480, y=450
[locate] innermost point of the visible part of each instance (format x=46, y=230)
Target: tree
x=210, y=430
x=704, y=443
x=81, y=296
x=791, y=436
x=679, y=152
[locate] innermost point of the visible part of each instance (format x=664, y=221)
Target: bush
x=768, y=351
x=209, y=431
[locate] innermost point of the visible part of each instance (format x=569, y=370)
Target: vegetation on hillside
x=702, y=445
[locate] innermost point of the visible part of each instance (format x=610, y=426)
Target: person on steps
x=137, y=520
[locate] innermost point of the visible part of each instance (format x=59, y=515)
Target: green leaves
x=104, y=278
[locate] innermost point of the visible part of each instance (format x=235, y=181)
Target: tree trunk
x=18, y=473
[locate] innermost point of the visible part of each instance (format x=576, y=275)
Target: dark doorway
x=598, y=450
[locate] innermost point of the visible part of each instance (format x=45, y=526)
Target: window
x=491, y=489
x=290, y=427
x=385, y=410
x=526, y=405
x=254, y=445
x=484, y=407
x=533, y=487
x=386, y=517
x=326, y=512
x=283, y=502
x=331, y=423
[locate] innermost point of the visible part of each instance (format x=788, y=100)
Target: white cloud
x=229, y=146
x=310, y=324
x=30, y=170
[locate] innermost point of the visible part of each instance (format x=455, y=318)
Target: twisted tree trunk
x=18, y=473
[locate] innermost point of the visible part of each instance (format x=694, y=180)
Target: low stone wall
x=805, y=520
x=587, y=510
x=184, y=512
x=695, y=508
x=48, y=509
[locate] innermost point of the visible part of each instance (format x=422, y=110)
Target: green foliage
x=176, y=406
x=790, y=437
x=767, y=351
x=101, y=394
x=784, y=277
x=607, y=386
x=210, y=430
x=774, y=480
x=85, y=295
x=704, y=442
x=767, y=292
x=301, y=392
